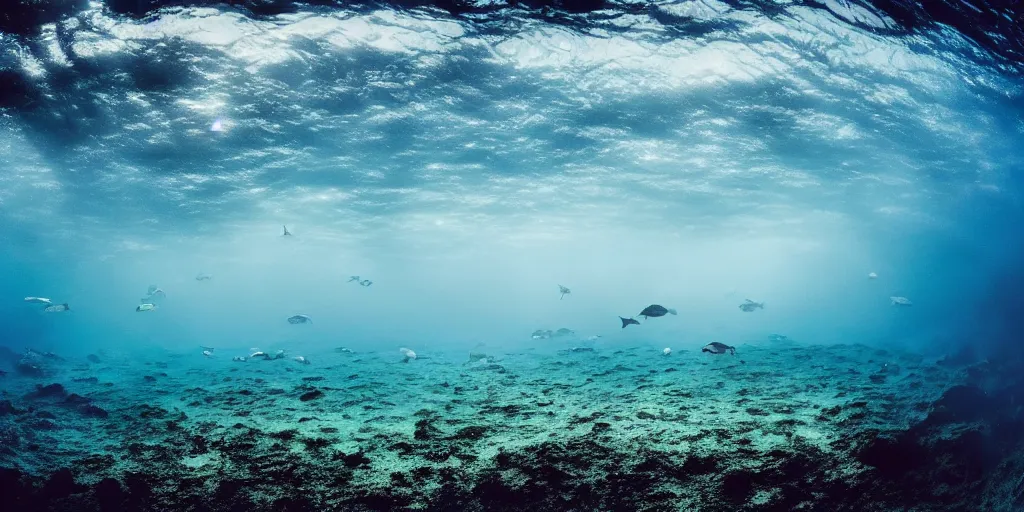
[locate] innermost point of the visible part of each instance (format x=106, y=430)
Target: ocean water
x=428, y=178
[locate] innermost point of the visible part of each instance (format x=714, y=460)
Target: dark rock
x=891, y=456
x=439, y=455
x=316, y=443
x=91, y=411
x=285, y=435
x=311, y=395
x=44, y=425
x=76, y=399
x=355, y=460
x=646, y=416
x=471, y=433
x=15, y=488
x=149, y=378
x=959, y=404
x=109, y=495
x=737, y=486
x=403, y=447
x=6, y=407
x=425, y=430
x=61, y=484
x=48, y=391
x=46, y=415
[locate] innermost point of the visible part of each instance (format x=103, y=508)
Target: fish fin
x=67, y=307
x=624, y=322
x=672, y=311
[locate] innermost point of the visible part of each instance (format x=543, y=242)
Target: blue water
x=468, y=174
x=692, y=155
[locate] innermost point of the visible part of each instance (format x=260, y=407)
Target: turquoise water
x=692, y=155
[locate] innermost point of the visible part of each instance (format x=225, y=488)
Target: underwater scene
x=496, y=255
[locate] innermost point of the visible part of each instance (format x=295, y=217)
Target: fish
x=750, y=305
x=365, y=282
x=542, y=334
x=286, y=232
x=299, y=319
x=409, y=354
x=204, y=277
x=666, y=352
x=900, y=301
x=301, y=359
x=354, y=278
x=564, y=332
x=564, y=291
x=628, y=321
x=145, y=307
x=208, y=353
x=57, y=308
x=153, y=293
x=38, y=300
x=872, y=275
x=718, y=348
x=654, y=311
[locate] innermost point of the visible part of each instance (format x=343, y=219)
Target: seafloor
x=776, y=427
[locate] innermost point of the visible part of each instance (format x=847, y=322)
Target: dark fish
x=299, y=319
x=563, y=290
x=365, y=282
x=353, y=278
x=628, y=321
x=750, y=305
x=718, y=348
x=655, y=311
x=286, y=232
x=57, y=308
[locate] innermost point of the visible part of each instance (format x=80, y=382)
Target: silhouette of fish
x=628, y=321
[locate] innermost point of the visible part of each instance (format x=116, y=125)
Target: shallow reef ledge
x=822, y=437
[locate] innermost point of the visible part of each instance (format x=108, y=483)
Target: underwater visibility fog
x=382, y=256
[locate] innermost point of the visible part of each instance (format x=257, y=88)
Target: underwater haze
x=465, y=161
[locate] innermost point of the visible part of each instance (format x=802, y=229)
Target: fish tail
x=67, y=307
x=672, y=311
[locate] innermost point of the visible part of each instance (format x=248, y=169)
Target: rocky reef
x=794, y=428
